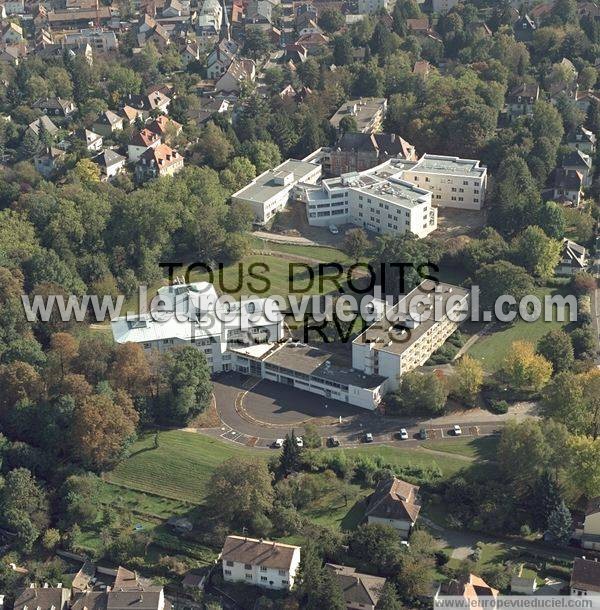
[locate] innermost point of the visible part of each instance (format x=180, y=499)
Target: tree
x=51, y=539
x=584, y=342
x=103, y=428
x=356, y=243
x=263, y=155
x=389, y=598
x=413, y=578
x=63, y=351
x=238, y=173
x=19, y=382
x=257, y=43
x=563, y=401
x=289, y=460
x=560, y=523
x=552, y=220
x=130, y=369
x=240, y=492
x=583, y=283
x=422, y=393
x=311, y=437
x=186, y=375
x=557, y=348
x=87, y=172
x=377, y=544
x=582, y=474
x=467, y=379
x=502, y=278
x=348, y=124
x=523, y=368
x=537, y=252
x=331, y=20
x=214, y=146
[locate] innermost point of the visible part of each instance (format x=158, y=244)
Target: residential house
x=524, y=28
x=48, y=162
x=100, y=39
x=210, y=18
x=140, y=142
x=523, y=585
x=580, y=162
x=157, y=162
x=585, y=577
x=190, y=53
x=165, y=127
x=356, y=152
x=57, y=51
x=568, y=187
x=93, y=141
x=56, y=106
x=13, y=54
x=14, y=7
x=574, y=259
x=394, y=502
x=359, y=590
x=582, y=139
x=220, y=58
x=583, y=99
x=520, y=100
x=418, y=26
x=590, y=538
x=470, y=588
x=269, y=192
x=110, y=162
x=541, y=11
x=209, y=106
x=131, y=115
x=296, y=53
x=41, y=125
x=71, y=19
x=239, y=73
x=156, y=100
x=369, y=7
x=454, y=182
x=259, y=11
x=368, y=112
x=107, y=123
x=443, y=6
x=43, y=598
x=149, y=30
x=271, y=565
x=313, y=43
x=12, y=34
x=304, y=14
x=422, y=67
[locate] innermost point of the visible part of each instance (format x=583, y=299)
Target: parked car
x=299, y=441
x=333, y=230
x=333, y=441
x=368, y=438
x=456, y=430
x=403, y=434
x=278, y=444
x=423, y=434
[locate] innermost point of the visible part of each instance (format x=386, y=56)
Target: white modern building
x=269, y=193
x=378, y=199
x=191, y=314
x=453, y=182
x=271, y=565
x=405, y=338
x=369, y=7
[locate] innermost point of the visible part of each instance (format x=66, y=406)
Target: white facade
x=443, y=6
x=453, y=182
x=101, y=41
x=372, y=6
x=270, y=565
x=135, y=151
x=404, y=339
x=269, y=193
x=378, y=199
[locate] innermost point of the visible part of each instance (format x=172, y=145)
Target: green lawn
x=481, y=448
x=493, y=348
x=179, y=468
x=325, y=254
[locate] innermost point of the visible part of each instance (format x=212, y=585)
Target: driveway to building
x=256, y=412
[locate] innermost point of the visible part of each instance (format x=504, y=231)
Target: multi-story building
x=269, y=193
x=443, y=6
x=379, y=200
x=101, y=40
x=370, y=7
x=405, y=338
x=367, y=112
x=271, y=565
x=453, y=182
x=356, y=152
x=582, y=139
x=158, y=162
x=520, y=100
x=140, y=142
x=210, y=18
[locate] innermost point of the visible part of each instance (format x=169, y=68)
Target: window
x=454, y=189
x=475, y=200
x=461, y=198
x=146, y=345
x=284, y=582
x=263, y=578
x=248, y=576
x=230, y=563
x=282, y=572
x=466, y=182
x=461, y=190
x=476, y=191
x=247, y=566
x=227, y=572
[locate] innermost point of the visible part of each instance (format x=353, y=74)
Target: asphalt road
x=257, y=412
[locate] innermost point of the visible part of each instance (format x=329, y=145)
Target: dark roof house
x=359, y=590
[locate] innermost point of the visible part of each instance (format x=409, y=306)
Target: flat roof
x=302, y=358
x=392, y=332
x=263, y=187
x=398, y=192
x=362, y=110
x=439, y=164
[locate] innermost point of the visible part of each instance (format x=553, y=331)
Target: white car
x=278, y=444
x=456, y=430
x=403, y=434
x=299, y=441
x=368, y=438
x=333, y=230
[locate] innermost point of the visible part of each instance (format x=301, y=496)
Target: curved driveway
x=255, y=412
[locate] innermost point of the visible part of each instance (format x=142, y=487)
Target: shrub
x=499, y=406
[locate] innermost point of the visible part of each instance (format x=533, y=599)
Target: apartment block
x=379, y=200
x=453, y=182
x=271, y=565
x=404, y=338
x=368, y=112
x=370, y=7
x=269, y=193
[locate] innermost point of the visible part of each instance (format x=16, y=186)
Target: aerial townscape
x=299, y=304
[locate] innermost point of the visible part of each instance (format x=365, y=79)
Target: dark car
x=423, y=434
x=333, y=441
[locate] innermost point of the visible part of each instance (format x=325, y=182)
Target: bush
x=499, y=406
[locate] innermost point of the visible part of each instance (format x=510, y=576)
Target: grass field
x=493, y=348
x=481, y=448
